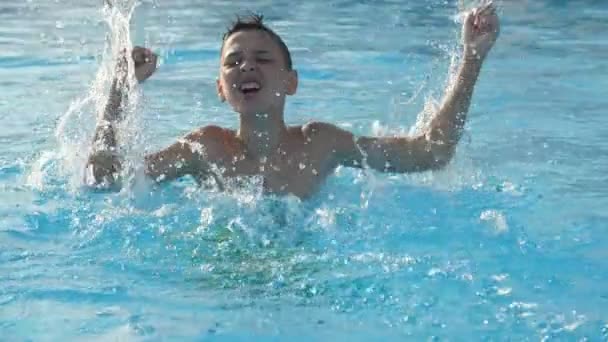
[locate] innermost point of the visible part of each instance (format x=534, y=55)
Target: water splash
x=232, y=228
x=75, y=128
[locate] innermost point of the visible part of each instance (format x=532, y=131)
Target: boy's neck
x=262, y=133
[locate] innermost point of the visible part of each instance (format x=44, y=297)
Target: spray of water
x=74, y=131
x=240, y=209
x=461, y=172
x=219, y=237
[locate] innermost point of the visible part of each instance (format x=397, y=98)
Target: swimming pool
x=507, y=243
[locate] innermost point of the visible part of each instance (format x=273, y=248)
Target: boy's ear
x=292, y=82
x=220, y=90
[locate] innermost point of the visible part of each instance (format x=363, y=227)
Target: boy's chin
x=252, y=110
x=253, y=113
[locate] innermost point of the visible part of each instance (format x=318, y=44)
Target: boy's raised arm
x=435, y=147
x=104, y=165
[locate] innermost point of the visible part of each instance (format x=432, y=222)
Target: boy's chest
x=299, y=171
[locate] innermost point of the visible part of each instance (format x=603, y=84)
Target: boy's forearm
x=105, y=137
x=103, y=163
x=113, y=106
x=446, y=127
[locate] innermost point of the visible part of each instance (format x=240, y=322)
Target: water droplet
x=315, y=172
x=59, y=24
x=277, y=94
x=302, y=166
x=497, y=219
x=500, y=277
x=503, y=291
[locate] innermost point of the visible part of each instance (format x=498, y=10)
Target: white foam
x=497, y=219
x=75, y=128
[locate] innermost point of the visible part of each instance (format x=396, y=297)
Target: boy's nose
x=247, y=66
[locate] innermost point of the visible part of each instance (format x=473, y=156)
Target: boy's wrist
x=473, y=57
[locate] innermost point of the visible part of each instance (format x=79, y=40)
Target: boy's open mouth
x=249, y=87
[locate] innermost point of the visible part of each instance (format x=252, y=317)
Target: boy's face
x=253, y=74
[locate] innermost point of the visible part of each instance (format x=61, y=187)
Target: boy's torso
x=298, y=166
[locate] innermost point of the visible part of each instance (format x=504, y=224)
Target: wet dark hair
x=256, y=22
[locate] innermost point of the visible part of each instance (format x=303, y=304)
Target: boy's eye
x=264, y=60
x=232, y=62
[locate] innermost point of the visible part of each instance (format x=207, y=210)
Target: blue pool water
x=508, y=243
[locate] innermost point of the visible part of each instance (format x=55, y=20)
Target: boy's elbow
x=434, y=159
x=429, y=162
x=440, y=157
x=438, y=164
x=103, y=171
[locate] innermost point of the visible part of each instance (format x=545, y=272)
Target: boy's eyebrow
x=238, y=52
x=234, y=53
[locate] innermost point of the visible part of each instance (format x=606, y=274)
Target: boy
x=256, y=75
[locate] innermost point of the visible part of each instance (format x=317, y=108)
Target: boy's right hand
x=480, y=30
x=145, y=63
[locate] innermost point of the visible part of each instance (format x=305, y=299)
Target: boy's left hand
x=480, y=30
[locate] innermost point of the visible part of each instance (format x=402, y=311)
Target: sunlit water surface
x=508, y=242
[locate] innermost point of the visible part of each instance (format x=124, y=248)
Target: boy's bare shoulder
x=327, y=134
x=211, y=132
x=321, y=130
x=214, y=138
